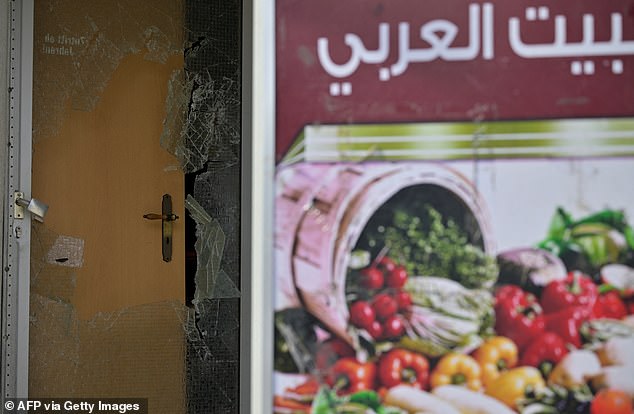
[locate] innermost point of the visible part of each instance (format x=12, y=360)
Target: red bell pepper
x=349, y=375
x=576, y=289
x=400, y=366
x=518, y=315
x=544, y=352
x=567, y=322
x=609, y=304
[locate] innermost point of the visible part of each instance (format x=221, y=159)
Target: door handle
x=154, y=216
x=167, y=218
x=33, y=206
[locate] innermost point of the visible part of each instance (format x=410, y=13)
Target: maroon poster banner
x=401, y=61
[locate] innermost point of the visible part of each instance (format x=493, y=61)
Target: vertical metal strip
x=16, y=270
x=257, y=203
x=5, y=51
x=26, y=152
x=246, y=225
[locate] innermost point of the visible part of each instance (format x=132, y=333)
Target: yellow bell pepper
x=457, y=369
x=496, y=355
x=511, y=386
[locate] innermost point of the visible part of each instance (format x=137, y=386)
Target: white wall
x=522, y=195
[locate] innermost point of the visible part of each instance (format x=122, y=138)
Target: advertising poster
x=454, y=207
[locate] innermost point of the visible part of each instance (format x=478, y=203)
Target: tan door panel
x=102, y=172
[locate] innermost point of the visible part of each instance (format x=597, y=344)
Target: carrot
x=281, y=402
x=310, y=387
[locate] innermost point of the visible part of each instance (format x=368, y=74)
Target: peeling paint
x=50, y=278
x=66, y=251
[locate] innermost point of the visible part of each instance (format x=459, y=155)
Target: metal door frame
x=258, y=166
x=16, y=242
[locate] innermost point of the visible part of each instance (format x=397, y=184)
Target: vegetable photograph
x=435, y=321
x=453, y=208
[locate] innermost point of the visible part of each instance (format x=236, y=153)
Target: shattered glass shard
x=211, y=282
x=203, y=119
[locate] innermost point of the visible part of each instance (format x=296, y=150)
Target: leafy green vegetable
x=368, y=398
x=428, y=244
x=325, y=401
x=559, y=223
x=363, y=402
x=592, y=241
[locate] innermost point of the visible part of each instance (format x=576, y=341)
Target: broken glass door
x=132, y=101
x=107, y=311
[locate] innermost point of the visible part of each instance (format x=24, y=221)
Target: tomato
x=386, y=264
x=384, y=306
x=361, y=314
x=404, y=301
x=611, y=401
x=609, y=305
x=371, y=278
x=397, y=277
x=375, y=330
x=393, y=327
